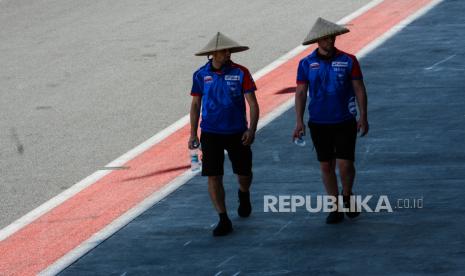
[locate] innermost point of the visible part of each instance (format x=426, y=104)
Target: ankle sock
x=223, y=216
x=245, y=208
x=224, y=226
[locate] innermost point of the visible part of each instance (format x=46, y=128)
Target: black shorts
x=213, y=146
x=334, y=141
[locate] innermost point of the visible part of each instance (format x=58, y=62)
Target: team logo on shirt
x=339, y=64
x=314, y=65
x=232, y=85
x=208, y=79
x=352, y=107
x=232, y=77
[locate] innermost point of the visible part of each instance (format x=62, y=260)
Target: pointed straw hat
x=323, y=28
x=221, y=42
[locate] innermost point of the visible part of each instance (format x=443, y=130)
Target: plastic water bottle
x=195, y=161
x=299, y=141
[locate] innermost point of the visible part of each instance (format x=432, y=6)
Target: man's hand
x=299, y=130
x=248, y=137
x=193, y=142
x=362, y=126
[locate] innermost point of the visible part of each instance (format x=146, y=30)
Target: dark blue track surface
x=415, y=149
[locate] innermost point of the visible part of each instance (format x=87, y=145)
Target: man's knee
x=346, y=166
x=245, y=177
x=215, y=179
x=327, y=167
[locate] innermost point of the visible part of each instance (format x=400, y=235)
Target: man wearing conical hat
x=219, y=91
x=334, y=83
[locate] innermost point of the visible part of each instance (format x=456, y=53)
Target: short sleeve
x=302, y=74
x=196, y=85
x=248, y=84
x=356, y=73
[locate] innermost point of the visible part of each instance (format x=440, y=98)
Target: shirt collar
x=317, y=55
x=223, y=69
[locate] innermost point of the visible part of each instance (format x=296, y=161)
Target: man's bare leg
x=347, y=173
x=328, y=175
x=216, y=191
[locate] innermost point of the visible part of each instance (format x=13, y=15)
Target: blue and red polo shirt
x=332, y=97
x=222, y=92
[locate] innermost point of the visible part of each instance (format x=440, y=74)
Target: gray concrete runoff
x=93, y=80
x=415, y=150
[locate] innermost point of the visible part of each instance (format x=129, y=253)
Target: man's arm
x=249, y=134
x=300, y=101
x=194, y=117
x=362, y=101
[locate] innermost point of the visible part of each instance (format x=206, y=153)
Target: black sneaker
x=223, y=228
x=351, y=213
x=245, y=208
x=334, y=217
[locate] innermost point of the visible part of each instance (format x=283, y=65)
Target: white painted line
x=92, y=242
x=299, y=49
x=187, y=243
x=440, y=62
x=117, y=224
x=360, y=11
x=120, y=161
x=86, y=182
x=237, y=273
x=282, y=228
x=275, y=113
x=123, y=220
x=270, y=67
x=49, y=205
x=397, y=28
x=226, y=261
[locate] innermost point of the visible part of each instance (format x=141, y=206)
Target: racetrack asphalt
x=414, y=150
x=83, y=82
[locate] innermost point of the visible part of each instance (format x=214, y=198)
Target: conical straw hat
x=323, y=28
x=221, y=42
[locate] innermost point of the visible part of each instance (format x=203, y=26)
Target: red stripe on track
x=44, y=241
